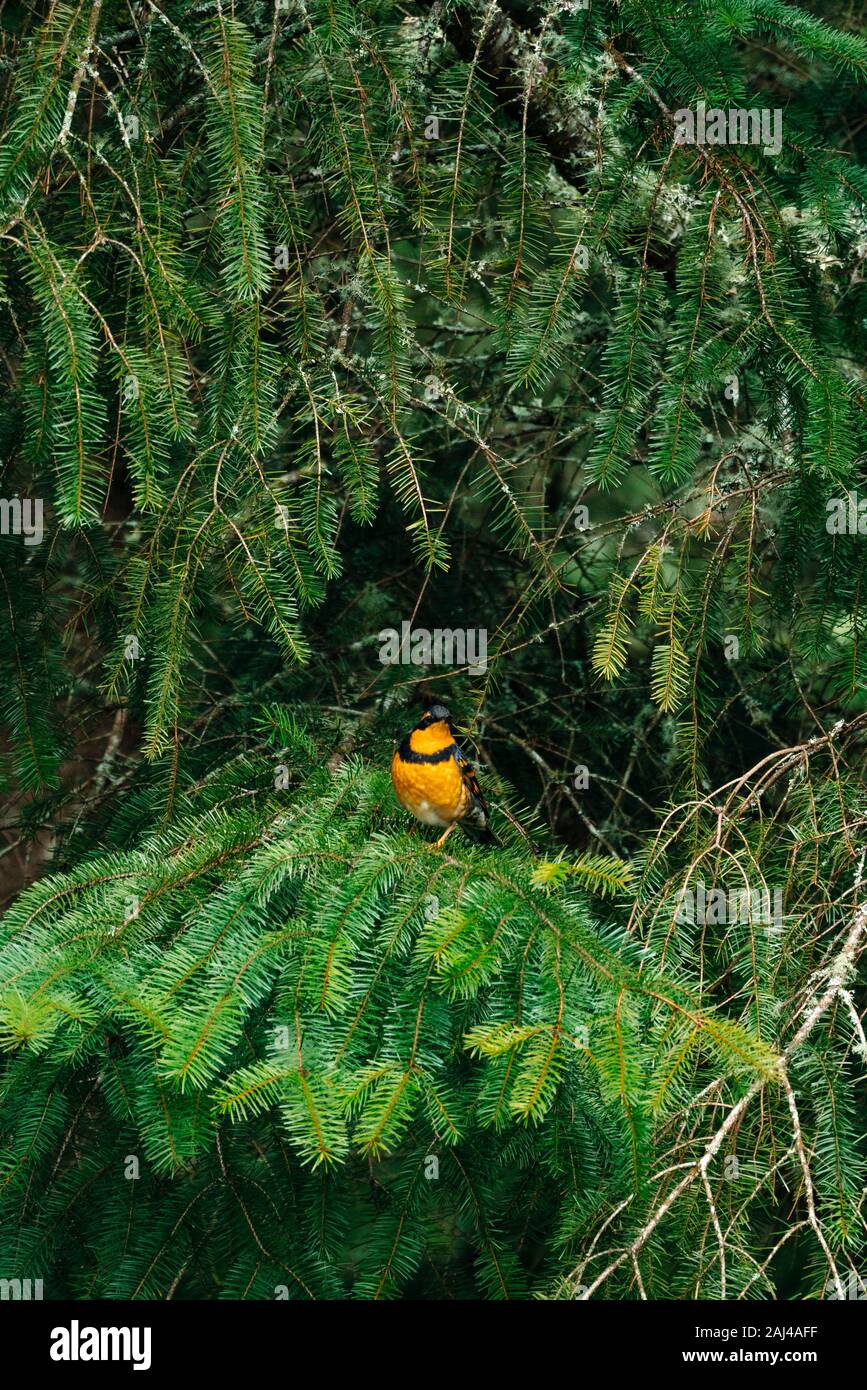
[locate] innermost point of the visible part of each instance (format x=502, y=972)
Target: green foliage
x=258, y=982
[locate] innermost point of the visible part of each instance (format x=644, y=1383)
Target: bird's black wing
x=476, y=822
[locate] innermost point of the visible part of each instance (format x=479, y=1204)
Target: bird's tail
x=478, y=833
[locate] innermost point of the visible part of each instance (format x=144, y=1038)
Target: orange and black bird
x=435, y=780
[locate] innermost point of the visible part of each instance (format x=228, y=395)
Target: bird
x=435, y=780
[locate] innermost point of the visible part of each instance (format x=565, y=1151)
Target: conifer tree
x=542, y=323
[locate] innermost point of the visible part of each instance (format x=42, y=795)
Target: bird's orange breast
x=434, y=792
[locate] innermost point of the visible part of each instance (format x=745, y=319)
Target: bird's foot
x=438, y=844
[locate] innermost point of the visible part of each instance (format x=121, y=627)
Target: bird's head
x=435, y=714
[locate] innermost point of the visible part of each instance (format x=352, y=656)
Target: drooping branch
x=509, y=62
x=839, y=973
